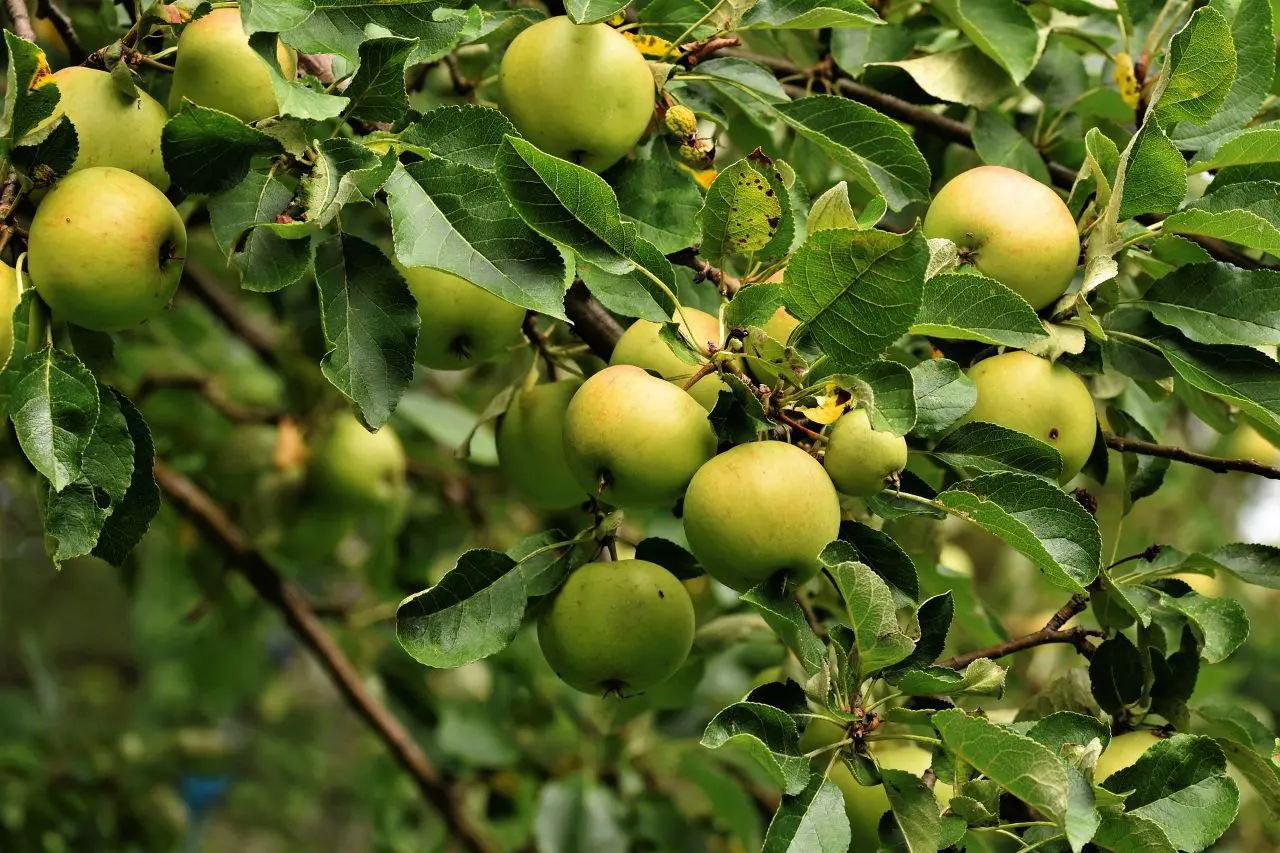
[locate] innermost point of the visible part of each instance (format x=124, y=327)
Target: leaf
x=1250, y=147
x=1035, y=518
x=661, y=200
x=474, y=612
x=812, y=821
x=131, y=515
x=1261, y=772
x=1221, y=623
x=591, y=11
x=808, y=15
x=370, y=321
x=341, y=26
x=741, y=213
x=749, y=86
x=207, y=151
x=1143, y=475
x=934, y=617
x=1116, y=675
x=983, y=676
x=965, y=76
x=788, y=621
x=879, y=155
x=1124, y=833
x=294, y=97
x=1255, y=564
x=854, y=49
x=266, y=261
x=1241, y=375
x=54, y=408
x=1199, y=72
x=832, y=210
x=377, y=90
x=1156, y=178
x=967, y=306
x=344, y=172
x=999, y=143
x=454, y=217
x=944, y=394
x=857, y=291
x=31, y=91
x=915, y=810
x=879, y=641
x=753, y=305
x=768, y=735
x=1217, y=303
x=465, y=133
x=72, y=521
x=1002, y=29
x=108, y=458
x=579, y=815
x=1016, y=763
x=989, y=447
x=53, y=156
x=1246, y=213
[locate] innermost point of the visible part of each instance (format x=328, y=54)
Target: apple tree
x=756, y=306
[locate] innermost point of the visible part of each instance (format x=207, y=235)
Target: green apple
x=113, y=129
x=106, y=249
x=1012, y=228
x=352, y=467
x=217, y=68
x=531, y=445
x=1037, y=397
x=634, y=439
x=641, y=346
x=582, y=93
x=760, y=509
x=462, y=324
x=1124, y=751
x=617, y=627
x=860, y=459
x=781, y=325
x=9, y=299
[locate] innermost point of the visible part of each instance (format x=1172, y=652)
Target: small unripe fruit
x=111, y=128
x=860, y=459
x=581, y=93
x=217, y=68
x=1044, y=400
x=641, y=346
x=617, y=627
x=1012, y=228
x=1123, y=751
x=635, y=440
x=106, y=249
x=353, y=467
x=9, y=299
x=681, y=121
x=758, y=510
x=531, y=445
x=462, y=324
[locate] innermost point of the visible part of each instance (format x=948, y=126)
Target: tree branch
x=21, y=19
x=197, y=506
x=591, y=321
x=1078, y=637
x=66, y=29
x=695, y=52
x=319, y=66
x=1217, y=464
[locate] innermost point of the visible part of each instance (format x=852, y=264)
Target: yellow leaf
x=828, y=406
x=649, y=45
x=1127, y=79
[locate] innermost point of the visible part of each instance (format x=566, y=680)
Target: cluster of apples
x=106, y=246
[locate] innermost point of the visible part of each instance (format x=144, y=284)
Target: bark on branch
x=20, y=19
x=1050, y=634
x=1217, y=464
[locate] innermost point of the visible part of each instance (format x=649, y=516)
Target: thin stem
x=837, y=745
x=692, y=28
x=881, y=701
x=1216, y=464
x=931, y=741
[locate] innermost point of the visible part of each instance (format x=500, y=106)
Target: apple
x=641, y=346
x=217, y=68
x=462, y=324
x=9, y=299
x=860, y=459
x=617, y=627
x=1012, y=228
x=1124, y=751
x=106, y=249
x=760, y=509
x=531, y=445
x=1037, y=397
x=781, y=325
x=352, y=467
x=634, y=439
x=581, y=93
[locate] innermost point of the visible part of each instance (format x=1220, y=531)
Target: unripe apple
x=582, y=93
x=1123, y=751
x=637, y=436
x=860, y=459
x=641, y=346
x=617, y=627
x=217, y=68
x=781, y=325
x=1012, y=228
x=352, y=467
x=9, y=299
x=759, y=509
x=106, y=249
x=531, y=445
x=112, y=129
x=1037, y=397
x=462, y=324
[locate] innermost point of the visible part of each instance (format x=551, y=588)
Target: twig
x=695, y=52
x=197, y=506
x=66, y=29
x=727, y=284
x=21, y=19
x=227, y=309
x=463, y=85
x=1078, y=637
x=591, y=321
x=705, y=369
x=1067, y=612
x=319, y=66
x=225, y=406
x=1217, y=464
x=539, y=343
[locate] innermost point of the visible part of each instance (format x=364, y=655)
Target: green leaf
x=1199, y=72
x=73, y=519
x=879, y=640
x=964, y=76
x=31, y=91
x=749, y=86
x=1116, y=675
x=877, y=153
x=1217, y=303
x=808, y=15
x=660, y=199
x=1221, y=623
x=982, y=677
x=53, y=156
x=274, y=16
x=108, y=458
x=1259, y=770
x=832, y=210
x=885, y=557
x=934, y=617
x=1156, y=179
x=1247, y=213
x=812, y=821
x=591, y=11
x=915, y=810
x=465, y=133
x=54, y=408
x=855, y=49
x=1125, y=833
x=579, y=815
x=1035, y=518
x=370, y=321
x=341, y=26
x=768, y=735
x=294, y=97
x=741, y=213
x=1002, y=29
x=857, y=291
x=131, y=515
x=1255, y=564
x=454, y=217
x=967, y=306
x=474, y=612
x=1143, y=475
x=788, y=621
x=999, y=143
x=265, y=260
x=989, y=447
x=1018, y=764
x=944, y=394
x=887, y=390
x=1241, y=375
x=345, y=172
x=377, y=90
x=1248, y=148
x=753, y=305
x=207, y=151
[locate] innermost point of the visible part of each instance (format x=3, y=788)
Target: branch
x=62, y=23
x=226, y=308
x=319, y=66
x=225, y=406
x=695, y=52
x=591, y=321
x=198, y=507
x=1216, y=464
x=1078, y=637
x=21, y=19
x=727, y=284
